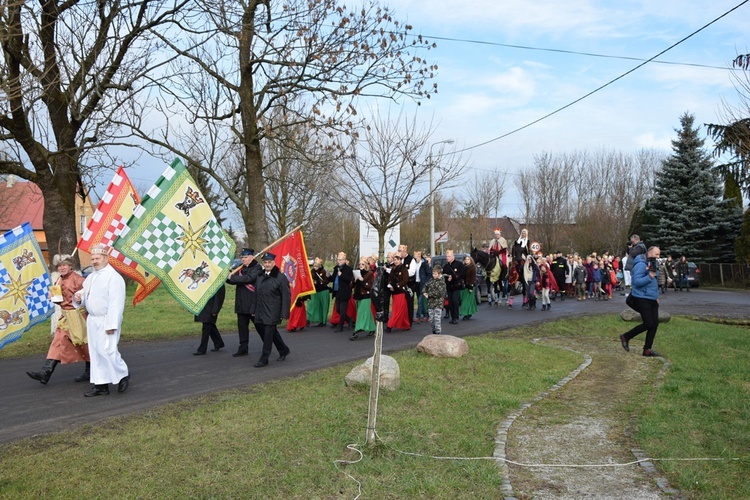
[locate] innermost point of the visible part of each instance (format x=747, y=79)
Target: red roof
x=19, y=203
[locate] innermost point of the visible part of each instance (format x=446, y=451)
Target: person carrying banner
x=271, y=305
x=103, y=295
x=244, y=277
x=69, y=344
x=208, y=317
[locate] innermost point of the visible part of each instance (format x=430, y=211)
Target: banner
x=174, y=235
x=112, y=213
x=24, y=284
x=291, y=258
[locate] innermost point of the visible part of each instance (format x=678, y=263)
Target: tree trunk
x=59, y=218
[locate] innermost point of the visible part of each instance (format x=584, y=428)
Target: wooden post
x=372, y=411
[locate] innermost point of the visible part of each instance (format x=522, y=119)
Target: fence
x=726, y=275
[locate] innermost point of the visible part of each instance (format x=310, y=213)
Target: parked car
x=480, y=289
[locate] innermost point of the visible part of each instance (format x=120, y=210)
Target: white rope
x=520, y=464
x=351, y=462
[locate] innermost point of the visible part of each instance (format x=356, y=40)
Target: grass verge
x=279, y=440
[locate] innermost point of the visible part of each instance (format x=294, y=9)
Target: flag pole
x=259, y=254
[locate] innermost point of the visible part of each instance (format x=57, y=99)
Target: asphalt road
x=164, y=372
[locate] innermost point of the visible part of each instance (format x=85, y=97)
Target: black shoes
x=624, y=343
x=354, y=337
x=199, y=353
x=282, y=357
x=651, y=353
x=124, y=384
x=84, y=377
x=97, y=390
x=260, y=364
x=454, y=322
x=239, y=353
x=217, y=348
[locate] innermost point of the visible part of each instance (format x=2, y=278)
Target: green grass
x=280, y=439
x=158, y=317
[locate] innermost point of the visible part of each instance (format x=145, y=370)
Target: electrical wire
x=623, y=75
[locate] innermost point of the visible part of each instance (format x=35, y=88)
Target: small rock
x=631, y=315
x=443, y=346
x=390, y=374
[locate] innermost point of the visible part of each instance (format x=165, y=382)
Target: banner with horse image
x=113, y=211
x=175, y=236
x=24, y=284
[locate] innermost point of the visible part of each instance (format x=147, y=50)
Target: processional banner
x=112, y=213
x=174, y=235
x=24, y=284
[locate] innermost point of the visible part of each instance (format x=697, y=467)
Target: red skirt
x=399, y=317
x=297, y=318
x=351, y=312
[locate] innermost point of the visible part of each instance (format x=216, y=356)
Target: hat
x=497, y=229
x=247, y=251
x=268, y=256
x=99, y=249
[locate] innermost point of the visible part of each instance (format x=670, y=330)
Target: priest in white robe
x=103, y=295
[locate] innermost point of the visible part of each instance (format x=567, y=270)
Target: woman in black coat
x=208, y=317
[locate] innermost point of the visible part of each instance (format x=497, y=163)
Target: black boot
x=47, y=369
x=84, y=377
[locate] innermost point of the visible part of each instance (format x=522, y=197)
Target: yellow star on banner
x=193, y=240
x=17, y=289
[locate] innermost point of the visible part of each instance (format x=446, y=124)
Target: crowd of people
x=409, y=290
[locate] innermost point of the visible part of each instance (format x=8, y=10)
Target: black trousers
x=649, y=311
x=342, y=306
x=210, y=330
x=454, y=300
x=243, y=327
x=271, y=337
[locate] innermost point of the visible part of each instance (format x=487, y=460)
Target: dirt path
x=584, y=420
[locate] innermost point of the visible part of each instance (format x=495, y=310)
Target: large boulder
x=390, y=374
x=443, y=346
x=631, y=315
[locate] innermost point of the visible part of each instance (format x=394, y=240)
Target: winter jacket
x=244, y=279
x=435, y=290
x=272, y=297
x=213, y=306
x=643, y=285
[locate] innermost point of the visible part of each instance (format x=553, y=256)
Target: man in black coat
x=272, y=304
x=559, y=270
x=208, y=317
x=455, y=273
x=342, y=278
x=243, y=278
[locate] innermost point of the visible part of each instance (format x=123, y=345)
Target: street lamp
x=432, y=200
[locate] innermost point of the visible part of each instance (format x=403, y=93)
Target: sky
x=487, y=89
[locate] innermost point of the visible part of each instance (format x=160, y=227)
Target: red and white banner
x=112, y=213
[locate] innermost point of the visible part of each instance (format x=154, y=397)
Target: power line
x=605, y=85
x=573, y=52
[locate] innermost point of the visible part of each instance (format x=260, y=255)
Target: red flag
x=112, y=213
x=291, y=258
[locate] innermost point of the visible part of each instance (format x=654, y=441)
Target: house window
x=83, y=224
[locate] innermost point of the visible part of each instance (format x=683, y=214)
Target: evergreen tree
x=687, y=214
x=742, y=243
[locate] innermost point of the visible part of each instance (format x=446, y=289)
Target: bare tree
x=66, y=82
x=384, y=180
x=250, y=68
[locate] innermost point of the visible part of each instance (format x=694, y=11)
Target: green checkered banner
x=174, y=235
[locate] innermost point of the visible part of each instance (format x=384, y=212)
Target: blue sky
x=486, y=91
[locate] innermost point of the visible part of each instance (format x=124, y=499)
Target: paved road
x=163, y=372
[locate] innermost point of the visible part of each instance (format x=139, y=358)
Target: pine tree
x=687, y=215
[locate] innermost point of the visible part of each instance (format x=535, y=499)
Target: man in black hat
x=244, y=278
x=272, y=304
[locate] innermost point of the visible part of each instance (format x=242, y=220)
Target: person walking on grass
x=644, y=298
